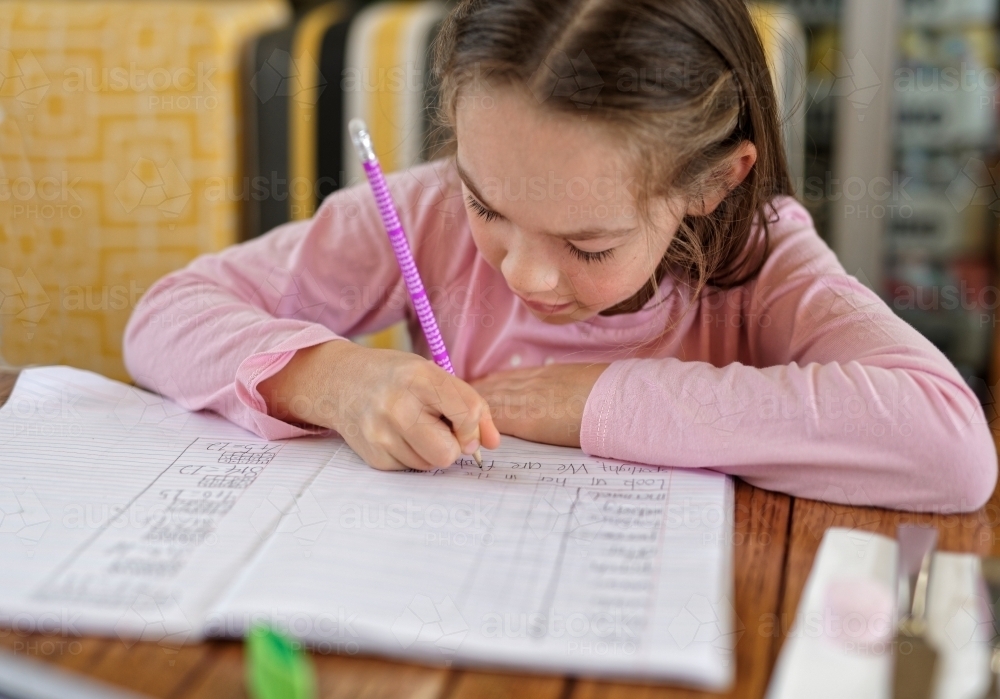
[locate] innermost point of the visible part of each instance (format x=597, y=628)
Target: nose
x=529, y=270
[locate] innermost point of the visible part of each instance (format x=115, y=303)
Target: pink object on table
x=858, y=614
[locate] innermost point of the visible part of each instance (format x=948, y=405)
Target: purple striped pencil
x=363, y=144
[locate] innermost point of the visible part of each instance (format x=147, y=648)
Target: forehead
x=505, y=132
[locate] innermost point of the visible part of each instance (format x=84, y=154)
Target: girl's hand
x=543, y=404
x=386, y=404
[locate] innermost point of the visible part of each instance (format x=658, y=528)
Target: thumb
x=489, y=435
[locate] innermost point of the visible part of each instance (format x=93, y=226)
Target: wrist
x=300, y=389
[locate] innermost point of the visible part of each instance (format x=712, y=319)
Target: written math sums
x=142, y=547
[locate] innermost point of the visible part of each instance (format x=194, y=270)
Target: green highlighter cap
x=277, y=668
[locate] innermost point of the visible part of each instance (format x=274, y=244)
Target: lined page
x=124, y=514
x=544, y=559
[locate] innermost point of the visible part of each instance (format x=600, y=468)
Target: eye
x=590, y=256
x=483, y=212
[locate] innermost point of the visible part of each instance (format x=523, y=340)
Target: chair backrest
x=120, y=146
x=134, y=136
x=784, y=43
x=385, y=82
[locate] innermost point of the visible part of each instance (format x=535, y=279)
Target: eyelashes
x=490, y=215
x=487, y=214
x=590, y=256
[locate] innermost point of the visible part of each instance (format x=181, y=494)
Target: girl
x=616, y=261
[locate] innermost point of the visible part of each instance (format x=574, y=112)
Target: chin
x=558, y=320
x=564, y=318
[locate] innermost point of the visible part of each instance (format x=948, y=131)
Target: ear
x=740, y=164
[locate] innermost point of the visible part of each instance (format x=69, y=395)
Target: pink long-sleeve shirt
x=801, y=381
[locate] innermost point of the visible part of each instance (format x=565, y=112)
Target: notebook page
x=545, y=559
x=123, y=514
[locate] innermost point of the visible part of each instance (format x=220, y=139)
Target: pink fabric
x=801, y=381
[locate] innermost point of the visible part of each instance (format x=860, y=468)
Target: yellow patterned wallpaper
x=118, y=122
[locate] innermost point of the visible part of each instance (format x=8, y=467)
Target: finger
x=509, y=376
x=489, y=434
x=494, y=401
x=490, y=383
x=435, y=443
x=495, y=383
x=463, y=407
x=392, y=453
x=459, y=405
x=382, y=460
x=469, y=442
x=481, y=382
x=468, y=432
x=405, y=454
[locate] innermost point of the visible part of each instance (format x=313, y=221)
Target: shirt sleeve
x=208, y=334
x=841, y=400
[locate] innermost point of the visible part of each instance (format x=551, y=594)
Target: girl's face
x=551, y=206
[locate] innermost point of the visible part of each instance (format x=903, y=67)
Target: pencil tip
x=362, y=139
x=478, y=456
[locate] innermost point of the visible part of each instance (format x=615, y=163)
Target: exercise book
x=123, y=514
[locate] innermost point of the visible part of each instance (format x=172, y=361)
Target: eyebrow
x=574, y=235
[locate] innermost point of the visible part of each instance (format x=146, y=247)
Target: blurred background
x=901, y=165
x=136, y=135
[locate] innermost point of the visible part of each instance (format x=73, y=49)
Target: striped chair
x=125, y=162
x=120, y=128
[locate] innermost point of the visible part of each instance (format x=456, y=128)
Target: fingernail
x=470, y=447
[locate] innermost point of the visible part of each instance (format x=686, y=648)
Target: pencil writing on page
x=397, y=237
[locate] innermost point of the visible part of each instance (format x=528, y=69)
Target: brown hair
x=682, y=82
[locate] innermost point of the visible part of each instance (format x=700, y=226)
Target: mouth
x=549, y=309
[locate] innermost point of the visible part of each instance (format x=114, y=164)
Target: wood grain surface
x=775, y=541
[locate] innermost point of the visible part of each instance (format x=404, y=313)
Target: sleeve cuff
x=263, y=365
x=598, y=409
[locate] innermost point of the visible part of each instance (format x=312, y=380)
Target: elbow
x=972, y=472
x=140, y=339
x=953, y=467
x=972, y=455
x=132, y=340
x=943, y=477
x=951, y=459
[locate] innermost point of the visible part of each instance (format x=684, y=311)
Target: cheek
x=604, y=279
x=607, y=283
x=488, y=241
x=595, y=284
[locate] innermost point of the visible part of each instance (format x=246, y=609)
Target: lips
x=546, y=308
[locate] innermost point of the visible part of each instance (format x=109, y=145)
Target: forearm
x=842, y=432
x=205, y=348
x=310, y=388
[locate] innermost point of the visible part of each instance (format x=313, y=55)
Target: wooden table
x=776, y=538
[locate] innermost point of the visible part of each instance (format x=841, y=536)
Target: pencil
x=397, y=237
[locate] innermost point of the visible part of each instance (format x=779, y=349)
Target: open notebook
x=122, y=514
